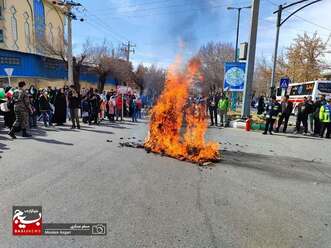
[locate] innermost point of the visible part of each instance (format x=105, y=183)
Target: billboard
x=234, y=78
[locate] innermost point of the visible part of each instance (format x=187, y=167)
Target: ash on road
x=266, y=192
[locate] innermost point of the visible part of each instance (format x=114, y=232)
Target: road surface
x=266, y=192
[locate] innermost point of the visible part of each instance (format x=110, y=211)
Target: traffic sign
x=284, y=82
x=9, y=71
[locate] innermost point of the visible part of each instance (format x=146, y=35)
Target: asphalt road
x=266, y=192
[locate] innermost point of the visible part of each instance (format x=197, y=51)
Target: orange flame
x=167, y=134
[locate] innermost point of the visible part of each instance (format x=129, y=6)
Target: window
x=324, y=87
x=50, y=34
x=27, y=31
x=14, y=27
x=302, y=89
x=9, y=60
x=1, y=36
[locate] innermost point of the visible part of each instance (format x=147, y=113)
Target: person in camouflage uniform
x=22, y=109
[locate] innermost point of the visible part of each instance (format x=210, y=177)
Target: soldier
x=22, y=109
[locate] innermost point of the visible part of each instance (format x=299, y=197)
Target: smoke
x=183, y=21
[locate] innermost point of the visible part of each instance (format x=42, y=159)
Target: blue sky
x=158, y=26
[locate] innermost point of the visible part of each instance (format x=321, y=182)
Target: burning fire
x=169, y=134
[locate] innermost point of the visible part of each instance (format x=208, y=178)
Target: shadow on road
x=3, y=147
x=52, y=141
x=114, y=125
x=278, y=166
x=303, y=137
x=96, y=131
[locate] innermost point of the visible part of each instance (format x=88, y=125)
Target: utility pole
x=238, y=27
x=251, y=60
x=128, y=49
x=234, y=93
x=69, y=55
x=279, y=23
x=69, y=5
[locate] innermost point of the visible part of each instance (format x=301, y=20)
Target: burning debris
x=167, y=135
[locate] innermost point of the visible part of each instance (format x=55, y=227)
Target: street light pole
x=238, y=28
x=69, y=5
x=237, y=39
x=278, y=25
x=251, y=60
x=70, y=65
x=273, y=75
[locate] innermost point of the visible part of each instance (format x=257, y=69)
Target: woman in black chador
x=60, y=104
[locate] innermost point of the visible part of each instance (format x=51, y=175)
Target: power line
x=134, y=6
x=98, y=27
x=299, y=17
x=176, y=12
x=107, y=27
x=149, y=9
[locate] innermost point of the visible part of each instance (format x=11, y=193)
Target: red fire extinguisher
x=248, y=124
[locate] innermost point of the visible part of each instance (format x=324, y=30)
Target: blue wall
x=37, y=66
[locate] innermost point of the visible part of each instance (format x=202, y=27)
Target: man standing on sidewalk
x=272, y=111
x=74, y=106
x=22, y=110
x=325, y=118
x=223, y=106
x=212, y=103
x=286, y=110
x=304, y=109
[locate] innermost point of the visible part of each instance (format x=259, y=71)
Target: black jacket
x=43, y=103
x=272, y=110
x=74, y=99
x=305, y=108
x=288, y=110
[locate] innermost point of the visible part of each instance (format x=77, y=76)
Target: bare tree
x=58, y=50
x=100, y=61
x=153, y=81
x=212, y=57
x=140, y=75
x=262, y=75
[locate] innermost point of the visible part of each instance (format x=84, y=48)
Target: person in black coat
x=212, y=103
x=45, y=109
x=260, y=105
x=304, y=109
x=9, y=117
x=286, y=111
x=60, y=104
x=94, y=103
x=74, y=106
x=272, y=111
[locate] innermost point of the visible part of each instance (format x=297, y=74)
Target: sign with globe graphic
x=234, y=79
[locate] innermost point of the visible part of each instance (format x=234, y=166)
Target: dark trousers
x=283, y=117
x=317, y=125
x=269, y=125
x=304, y=120
x=119, y=114
x=213, y=115
x=93, y=116
x=74, y=113
x=325, y=126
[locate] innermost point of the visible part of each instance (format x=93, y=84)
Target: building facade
x=26, y=28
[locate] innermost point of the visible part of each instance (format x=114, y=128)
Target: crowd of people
x=23, y=107
x=218, y=103
x=312, y=117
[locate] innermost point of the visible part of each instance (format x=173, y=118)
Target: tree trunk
x=102, y=81
x=76, y=72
